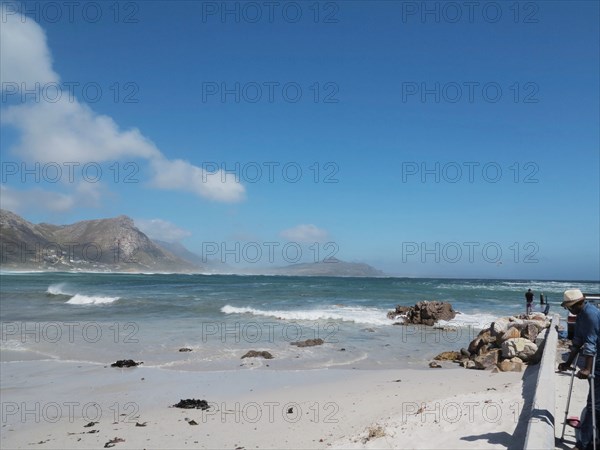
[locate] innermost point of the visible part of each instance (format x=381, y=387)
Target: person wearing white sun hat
x=587, y=342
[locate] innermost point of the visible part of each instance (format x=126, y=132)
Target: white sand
x=330, y=408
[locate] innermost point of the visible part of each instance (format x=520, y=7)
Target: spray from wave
x=61, y=289
x=58, y=289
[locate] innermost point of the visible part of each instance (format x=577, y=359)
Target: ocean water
x=100, y=318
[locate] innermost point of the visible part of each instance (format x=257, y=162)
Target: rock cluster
x=424, y=313
x=507, y=344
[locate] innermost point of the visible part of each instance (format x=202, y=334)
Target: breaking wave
x=61, y=289
x=371, y=316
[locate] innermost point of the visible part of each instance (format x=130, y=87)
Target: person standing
x=542, y=299
x=586, y=342
x=529, y=298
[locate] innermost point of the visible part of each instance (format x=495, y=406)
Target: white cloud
x=181, y=175
x=162, y=230
x=85, y=195
x=70, y=131
x=306, y=233
x=24, y=55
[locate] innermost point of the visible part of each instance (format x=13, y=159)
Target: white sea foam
x=79, y=299
x=371, y=316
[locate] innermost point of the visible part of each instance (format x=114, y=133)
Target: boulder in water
x=425, y=312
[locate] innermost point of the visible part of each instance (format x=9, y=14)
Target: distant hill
x=331, y=267
x=92, y=245
x=117, y=245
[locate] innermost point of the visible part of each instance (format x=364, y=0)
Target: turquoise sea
x=100, y=317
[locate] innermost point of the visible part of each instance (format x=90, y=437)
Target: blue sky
x=379, y=103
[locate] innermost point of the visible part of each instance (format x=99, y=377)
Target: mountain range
x=117, y=245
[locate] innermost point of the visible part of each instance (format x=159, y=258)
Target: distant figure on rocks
x=529, y=298
x=586, y=342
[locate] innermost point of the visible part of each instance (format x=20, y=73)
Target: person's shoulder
x=592, y=311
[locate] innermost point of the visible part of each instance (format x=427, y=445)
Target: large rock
x=447, y=356
x=510, y=365
x=520, y=347
x=540, y=324
x=511, y=333
x=484, y=340
x=486, y=336
x=425, y=312
x=485, y=349
x=467, y=364
x=399, y=311
x=538, y=316
x=487, y=360
x=499, y=326
x=530, y=331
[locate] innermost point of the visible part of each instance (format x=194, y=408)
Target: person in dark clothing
x=542, y=299
x=529, y=298
x=586, y=342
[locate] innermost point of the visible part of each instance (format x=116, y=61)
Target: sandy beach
x=47, y=404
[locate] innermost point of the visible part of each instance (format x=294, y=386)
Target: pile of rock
x=423, y=313
x=507, y=344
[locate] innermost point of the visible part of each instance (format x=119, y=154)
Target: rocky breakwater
x=507, y=345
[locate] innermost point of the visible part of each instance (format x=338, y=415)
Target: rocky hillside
x=105, y=244
x=117, y=245
x=331, y=267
